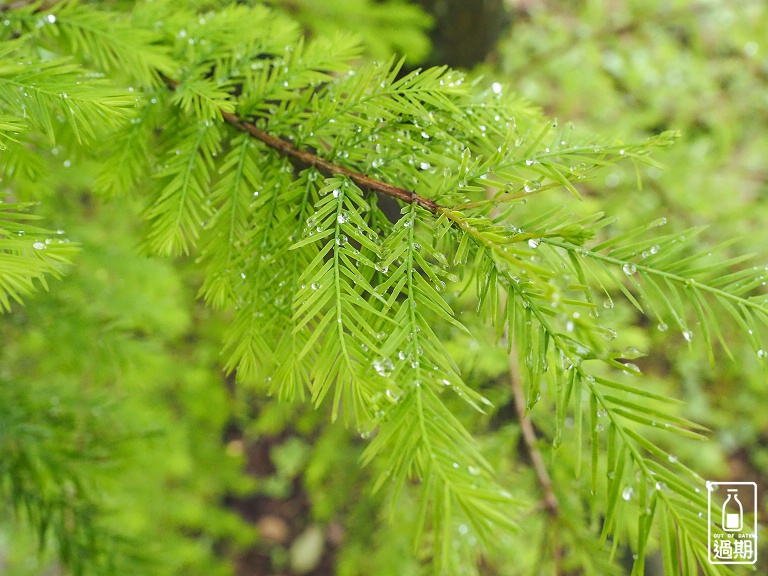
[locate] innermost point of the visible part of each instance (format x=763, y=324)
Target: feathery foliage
x=278, y=161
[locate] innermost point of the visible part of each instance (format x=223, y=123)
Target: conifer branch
x=326, y=167
x=337, y=317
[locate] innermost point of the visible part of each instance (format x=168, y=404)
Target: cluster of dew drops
x=43, y=244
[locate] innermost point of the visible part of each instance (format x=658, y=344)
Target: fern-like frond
x=634, y=464
x=414, y=441
x=334, y=300
x=257, y=272
x=10, y=126
x=232, y=196
x=524, y=264
x=659, y=275
x=301, y=67
x=129, y=156
x=203, y=98
x=38, y=93
x=178, y=213
x=28, y=254
x=21, y=161
x=106, y=40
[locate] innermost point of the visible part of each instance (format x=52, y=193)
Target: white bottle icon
x=733, y=513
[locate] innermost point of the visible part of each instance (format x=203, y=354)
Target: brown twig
x=529, y=436
x=326, y=167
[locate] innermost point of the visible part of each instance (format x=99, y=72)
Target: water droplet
x=629, y=269
x=315, y=286
x=672, y=458
x=609, y=334
x=655, y=249
x=38, y=245
x=67, y=163
x=51, y=18
x=761, y=354
x=631, y=352
x=534, y=242
x=456, y=465
x=531, y=185
x=425, y=166
x=601, y=413
x=342, y=218
x=627, y=493
x=383, y=366
x=341, y=240
x=608, y=304
x=688, y=335
x=632, y=369
x=660, y=486
x=496, y=87
x=662, y=327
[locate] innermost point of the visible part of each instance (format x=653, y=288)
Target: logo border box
x=709, y=520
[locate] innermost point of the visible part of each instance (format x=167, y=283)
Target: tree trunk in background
x=465, y=32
